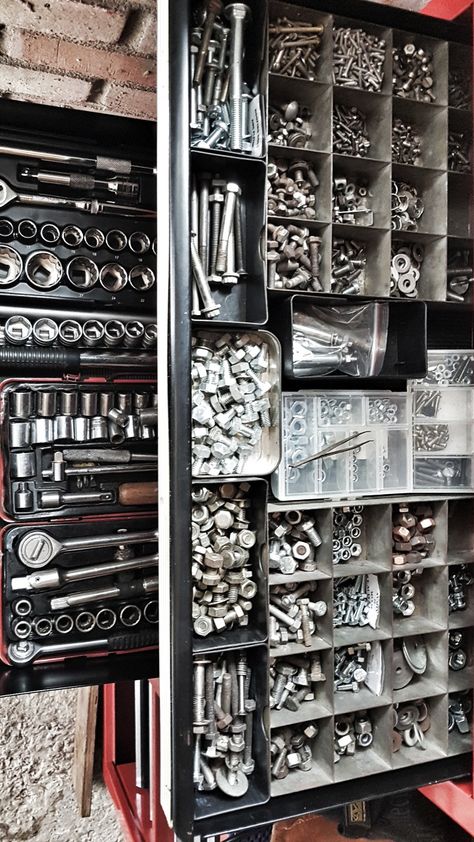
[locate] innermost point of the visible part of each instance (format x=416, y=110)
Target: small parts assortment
x=412, y=534
x=350, y=135
x=413, y=73
x=357, y=601
x=348, y=521
x=293, y=257
x=293, y=681
x=223, y=539
x=222, y=102
x=293, y=542
x=69, y=449
x=405, y=270
x=351, y=202
x=234, y=406
x=291, y=749
x=52, y=607
x=352, y=665
x=411, y=722
x=407, y=206
x=349, y=261
x=410, y=659
x=406, y=143
x=460, y=580
x=294, y=614
x=224, y=726
x=358, y=59
x=217, y=240
x=404, y=592
x=289, y=125
x=460, y=275
x=453, y=368
x=458, y=655
x=353, y=732
x=459, y=152
x=294, y=48
x=460, y=712
x=292, y=189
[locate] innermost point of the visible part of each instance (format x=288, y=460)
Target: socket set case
x=63, y=452
x=58, y=602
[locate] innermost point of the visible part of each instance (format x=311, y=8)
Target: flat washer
x=402, y=674
x=415, y=653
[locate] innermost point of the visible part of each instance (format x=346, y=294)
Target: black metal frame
x=179, y=366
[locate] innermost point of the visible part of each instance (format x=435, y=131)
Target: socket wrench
x=101, y=163
x=128, y=590
x=26, y=651
x=10, y=197
x=56, y=577
x=83, y=181
x=37, y=548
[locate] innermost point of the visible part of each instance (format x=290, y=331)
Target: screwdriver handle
x=42, y=359
x=138, y=640
x=138, y=493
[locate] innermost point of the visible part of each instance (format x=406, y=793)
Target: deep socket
x=118, y=417
x=68, y=403
x=64, y=624
x=132, y=428
x=140, y=400
x=92, y=332
x=22, y=607
x=42, y=431
x=105, y=619
x=46, y=404
x=130, y=615
x=22, y=464
x=149, y=416
x=116, y=433
x=21, y=629
x=106, y=402
x=63, y=428
x=150, y=611
x=85, y=622
x=82, y=428
x=99, y=428
x=89, y=402
x=22, y=404
x=114, y=332
x=43, y=626
x=70, y=332
x=23, y=497
x=124, y=402
x=20, y=433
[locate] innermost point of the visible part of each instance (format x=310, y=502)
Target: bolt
x=210, y=309
x=213, y=8
x=238, y=14
x=232, y=191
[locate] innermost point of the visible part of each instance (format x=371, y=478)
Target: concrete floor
x=36, y=740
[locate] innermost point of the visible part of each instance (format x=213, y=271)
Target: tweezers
x=330, y=450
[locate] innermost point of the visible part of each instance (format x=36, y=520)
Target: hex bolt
x=210, y=307
x=241, y=674
x=228, y=215
x=216, y=200
x=213, y=8
x=308, y=527
x=203, y=238
x=238, y=14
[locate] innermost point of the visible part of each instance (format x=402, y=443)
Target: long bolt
x=213, y=8
x=239, y=239
x=237, y=13
x=248, y=737
x=234, y=687
x=203, y=241
x=305, y=625
x=241, y=673
x=210, y=308
x=232, y=191
x=226, y=693
x=197, y=776
x=212, y=730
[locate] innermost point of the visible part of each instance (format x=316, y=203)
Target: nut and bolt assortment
x=353, y=732
x=460, y=276
x=427, y=403
x=460, y=580
x=350, y=667
x=222, y=537
x=406, y=143
x=459, y=712
x=220, y=99
x=294, y=613
x=292, y=188
x=454, y=368
x=458, y=644
x=404, y=592
x=293, y=680
x=358, y=59
x=294, y=48
x=349, y=131
x=413, y=73
x=459, y=151
x=412, y=533
x=383, y=411
x=293, y=258
x=442, y=473
x=293, y=542
x=217, y=239
x=288, y=125
x=291, y=748
x=317, y=343
x=430, y=437
x=405, y=269
x=348, y=523
x=411, y=721
x=354, y=602
x=407, y=206
x=351, y=202
x=231, y=405
x=223, y=724
x=349, y=261
x=459, y=89
x=410, y=658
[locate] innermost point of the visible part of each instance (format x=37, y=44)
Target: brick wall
x=92, y=54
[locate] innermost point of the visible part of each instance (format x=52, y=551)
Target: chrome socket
x=114, y=333
x=89, y=402
x=150, y=336
x=42, y=431
x=134, y=332
x=85, y=622
x=141, y=278
x=94, y=238
x=70, y=332
x=7, y=229
x=150, y=611
x=113, y=277
x=116, y=240
x=68, y=403
x=11, y=265
x=72, y=236
x=43, y=270
x=64, y=624
x=46, y=404
x=43, y=626
x=106, y=619
x=139, y=242
x=22, y=607
x=92, y=332
x=45, y=332
x=130, y=615
x=23, y=497
x=20, y=433
x=106, y=403
x=63, y=429
x=49, y=234
x=82, y=272
x=18, y=330
x=99, y=428
x=21, y=628
x=27, y=230
x=82, y=428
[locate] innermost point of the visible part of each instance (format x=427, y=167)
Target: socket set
x=71, y=449
x=93, y=592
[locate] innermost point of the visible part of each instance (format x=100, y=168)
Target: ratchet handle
x=138, y=640
x=138, y=493
x=43, y=359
